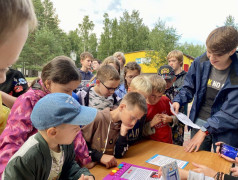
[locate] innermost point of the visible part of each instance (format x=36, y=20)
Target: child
x=168, y=74
x=17, y=17
x=96, y=64
x=142, y=85
x=159, y=110
x=175, y=60
x=59, y=75
x=131, y=70
x=49, y=154
x=106, y=135
x=102, y=94
x=211, y=83
x=86, y=59
x=120, y=56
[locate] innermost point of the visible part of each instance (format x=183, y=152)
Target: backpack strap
x=86, y=98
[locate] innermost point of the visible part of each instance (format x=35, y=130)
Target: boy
x=86, y=59
x=142, y=85
x=49, y=154
x=17, y=17
x=168, y=75
x=175, y=60
x=159, y=110
x=211, y=83
x=102, y=94
x=106, y=135
x=96, y=64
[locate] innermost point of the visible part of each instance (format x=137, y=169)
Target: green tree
x=84, y=31
x=230, y=21
x=162, y=40
x=191, y=49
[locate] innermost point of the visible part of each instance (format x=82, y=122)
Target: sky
x=192, y=19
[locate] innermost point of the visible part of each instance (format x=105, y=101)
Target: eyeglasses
x=109, y=88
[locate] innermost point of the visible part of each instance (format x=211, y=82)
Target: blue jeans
x=208, y=141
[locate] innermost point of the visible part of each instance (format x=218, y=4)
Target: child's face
x=86, y=63
x=107, y=88
x=174, y=63
x=62, y=88
x=220, y=62
x=169, y=83
x=66, y=133
x=95, y=65
x=11, y=48
x=130, y=75
x=154, y=97
x=129, y=117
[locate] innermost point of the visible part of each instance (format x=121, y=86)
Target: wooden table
x=139, y=153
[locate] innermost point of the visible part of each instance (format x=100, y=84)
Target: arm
x=71, y=170
x=7, y=99
x=19, y=169
x=18, y=129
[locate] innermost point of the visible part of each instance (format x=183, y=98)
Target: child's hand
x=91, y=165
x=108, y=160
x=166, y=118
x=204, y=169
x=156, y=119
x=86, y=177
x=124, y=129
x=176, y=106
x=234, y=171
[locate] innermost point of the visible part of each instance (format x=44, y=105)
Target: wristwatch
x=203, y=129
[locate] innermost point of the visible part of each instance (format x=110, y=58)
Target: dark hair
x=98, y=60
x=222, y=40
x=60, y=70
x=130, y=66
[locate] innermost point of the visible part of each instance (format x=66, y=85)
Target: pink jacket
x=19, y=128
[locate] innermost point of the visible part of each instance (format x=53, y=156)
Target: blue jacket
x=223, y=123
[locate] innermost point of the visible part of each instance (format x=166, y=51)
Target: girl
x=59, y=75
x=131, y=70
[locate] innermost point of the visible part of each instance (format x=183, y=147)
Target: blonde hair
x=176, y=54
x=107, y=73
x=141, y=83
x=116, y=54
x=158, y=83
x=111, y=59
x=133, y=99
x=14, y=13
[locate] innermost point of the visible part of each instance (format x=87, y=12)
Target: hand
x=218, y=144
x=176, y=107
x=91, y=165
x=234, y=171
x=204, y=169
x=124, y=129
x=156, y=119
x=166, y=118
x=108, y=160
x=195, y=142
x=83, y=177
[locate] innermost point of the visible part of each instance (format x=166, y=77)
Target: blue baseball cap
x=59, y=108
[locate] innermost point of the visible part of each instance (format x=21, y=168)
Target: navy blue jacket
x=223, y=123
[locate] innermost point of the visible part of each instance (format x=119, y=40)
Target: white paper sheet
x=183, y=118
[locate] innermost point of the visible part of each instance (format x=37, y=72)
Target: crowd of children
x=53, y=133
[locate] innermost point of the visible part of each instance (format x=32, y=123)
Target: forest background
x=126, y=34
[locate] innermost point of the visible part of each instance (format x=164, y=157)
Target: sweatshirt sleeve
x=121, y=146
